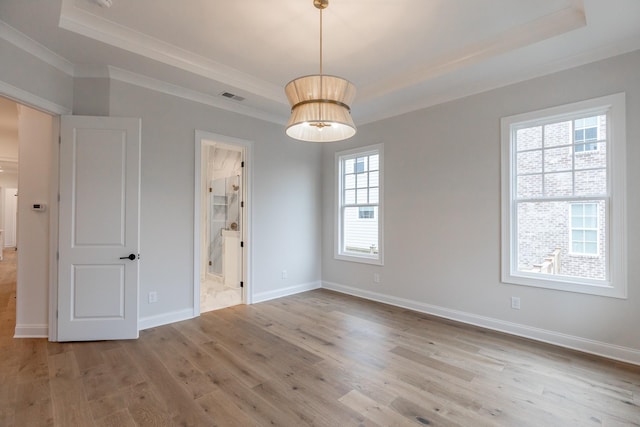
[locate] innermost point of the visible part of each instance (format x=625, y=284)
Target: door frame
x=55, y=110
x=202, y=139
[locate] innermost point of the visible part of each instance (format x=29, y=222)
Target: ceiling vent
x=232, y=96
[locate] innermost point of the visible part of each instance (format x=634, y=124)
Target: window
x=584, y=229
x=563, y=181
x=586, y=134
x=359, y=217
x=365, y=213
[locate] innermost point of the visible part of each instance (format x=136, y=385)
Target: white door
x=98, y=233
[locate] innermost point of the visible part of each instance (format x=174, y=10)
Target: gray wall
x=442, y=215
x=286, y=197
x=23, y=71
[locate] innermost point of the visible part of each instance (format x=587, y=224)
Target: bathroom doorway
x=222, y=226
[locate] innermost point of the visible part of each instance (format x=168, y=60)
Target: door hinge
x=56, y=314
x=242, y=164
x=242, y=284
x=57, y=256
x=58, y=196
x=59, y=139
x=210, y=190
x=242, y=244
x=210, y=263
x=242, y=204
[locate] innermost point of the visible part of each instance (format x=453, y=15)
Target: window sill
x=360, y=259
x=559, y=283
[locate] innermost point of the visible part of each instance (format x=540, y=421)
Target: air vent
x=232, y=96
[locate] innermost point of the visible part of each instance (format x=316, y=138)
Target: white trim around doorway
x=203, y=138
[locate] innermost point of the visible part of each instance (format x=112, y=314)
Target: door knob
x=131, y=257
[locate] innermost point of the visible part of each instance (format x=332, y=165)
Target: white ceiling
x=402, y=55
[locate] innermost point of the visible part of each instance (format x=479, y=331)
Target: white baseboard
x=164, y=319
x=291, y=290
x=31, y=331
x=611, y=351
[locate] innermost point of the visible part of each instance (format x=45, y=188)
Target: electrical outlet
x=515, y=303
x=153, y=297
x=376, y=278
x=285, y=275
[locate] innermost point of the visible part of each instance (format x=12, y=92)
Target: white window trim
x=337, y=253
x=615, y=248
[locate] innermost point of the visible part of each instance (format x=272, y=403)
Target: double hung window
x=359, y=216
x=563, y=174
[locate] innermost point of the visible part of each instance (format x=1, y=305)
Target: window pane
x=591, y=134
x=349, y=181
x=591, y=248
x=529, y=186
x=596, y=158
x=558, y=184
x=374, y=195
x=591, y=222
x=350, y=197
x=529, y=162
x=374, y=179
x=349, y=166
x=360, y=235
x=558, y=159
x=590, y=208
x=361, y=164
x=529, y=138
x=362, y=196
x=374, y=162
x=591, y=182
x=577, y=235
x=577, y=222
x=557, y=134
x=577, y=209
x=591, y=236
x=577, y=247
x=362, y=180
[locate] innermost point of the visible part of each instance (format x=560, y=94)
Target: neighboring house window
x=365, y=213
x=563, y=183
x=584, y=229
x=586, y=134
x=359, y=194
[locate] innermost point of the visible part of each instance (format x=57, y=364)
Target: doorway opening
x=26, y=136
x=222, y=225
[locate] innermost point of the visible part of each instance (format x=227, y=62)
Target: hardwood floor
x=318, y=358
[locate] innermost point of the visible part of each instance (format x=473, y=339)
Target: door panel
x=99, y=222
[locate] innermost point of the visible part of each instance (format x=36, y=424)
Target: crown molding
x=629, y=45
x=31, y=46
x=191, y=95
x=28, y=98
x=89, y=25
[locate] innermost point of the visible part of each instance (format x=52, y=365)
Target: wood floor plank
x=317, y=358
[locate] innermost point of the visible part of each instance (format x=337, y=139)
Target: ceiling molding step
x=537, y=30
x=31, y=46
x=23, y=97
x=540, y=70
x=88, y=71
x=89, y=25
x=191, y=95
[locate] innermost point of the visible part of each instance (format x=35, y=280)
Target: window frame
x=615, y=284
x=340, y=156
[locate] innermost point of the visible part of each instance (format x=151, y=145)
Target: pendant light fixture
x=320, y=109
